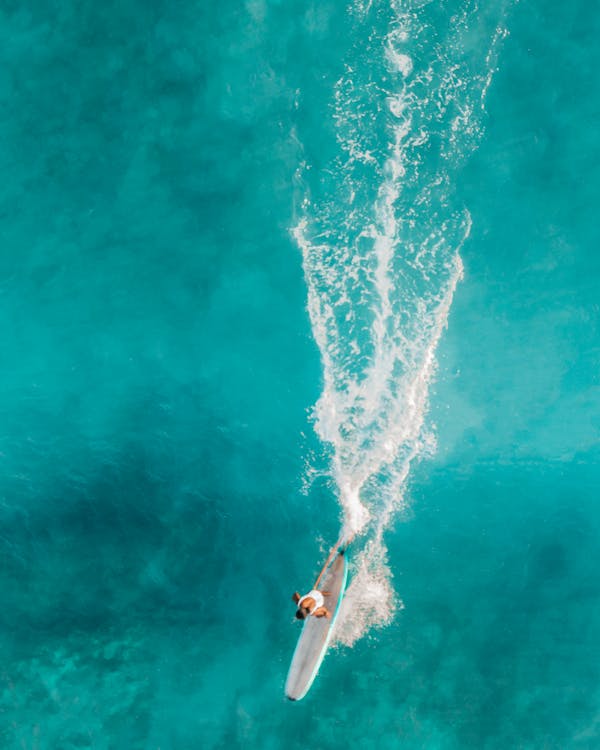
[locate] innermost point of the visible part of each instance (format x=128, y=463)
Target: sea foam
x=381, y=257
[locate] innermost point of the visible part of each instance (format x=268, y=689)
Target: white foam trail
x=380, y=251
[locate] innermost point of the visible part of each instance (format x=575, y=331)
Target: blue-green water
x=214, y=218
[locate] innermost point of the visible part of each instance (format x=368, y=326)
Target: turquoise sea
x=273, y=270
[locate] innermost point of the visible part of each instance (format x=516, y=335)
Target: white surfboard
x=316, y=632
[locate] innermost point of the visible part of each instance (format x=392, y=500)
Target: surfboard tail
x=345, y=542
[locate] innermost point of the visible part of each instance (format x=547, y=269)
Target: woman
x=312, y=603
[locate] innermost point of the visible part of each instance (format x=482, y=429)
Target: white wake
x=380, y=245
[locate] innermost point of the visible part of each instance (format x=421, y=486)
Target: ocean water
x=272, y=273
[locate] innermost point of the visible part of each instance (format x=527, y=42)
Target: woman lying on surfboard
x=313, y=603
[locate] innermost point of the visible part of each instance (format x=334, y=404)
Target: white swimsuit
x=317, y=596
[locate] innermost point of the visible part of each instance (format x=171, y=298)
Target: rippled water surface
x=275, y=272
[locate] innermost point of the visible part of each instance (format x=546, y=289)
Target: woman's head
x=302, y=613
